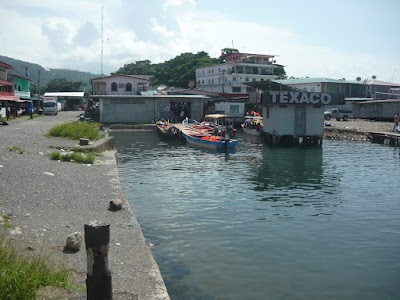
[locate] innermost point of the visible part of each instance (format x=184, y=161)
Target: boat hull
x=209, y=143
x=252, y=132
x=168, y=132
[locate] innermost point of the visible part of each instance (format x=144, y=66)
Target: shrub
x=78, y=157
x=76, y=130
x=16, y=149
x=55, y=155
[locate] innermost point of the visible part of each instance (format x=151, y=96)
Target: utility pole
x=102, y=40
x=38, y=80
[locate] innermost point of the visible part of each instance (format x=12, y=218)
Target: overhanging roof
x=64, y=94
x=3, y=82
x=269, y=85
x=9, y=98
x=7, y=66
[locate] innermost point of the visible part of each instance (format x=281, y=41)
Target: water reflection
x=265, y=223
x=289, y=167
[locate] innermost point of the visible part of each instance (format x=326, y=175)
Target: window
x=246, y=79
x=114, y=87
x=128, y=87
x=234, y=108
x=234, y=78
x=236, y=89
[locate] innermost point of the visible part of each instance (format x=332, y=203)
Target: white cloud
x=178, y=3
x=67, y=34
x=161, y=29
x=87, y=34
x=59, y=32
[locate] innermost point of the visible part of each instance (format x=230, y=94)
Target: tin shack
x=293, y=117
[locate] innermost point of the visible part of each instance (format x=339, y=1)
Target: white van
x=50, y=106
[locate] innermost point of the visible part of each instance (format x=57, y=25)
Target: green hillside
x=22, y=67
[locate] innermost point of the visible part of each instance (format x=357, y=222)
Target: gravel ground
x=47, y=200
x=354, y=129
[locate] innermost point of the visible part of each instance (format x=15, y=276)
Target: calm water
x=265, y=223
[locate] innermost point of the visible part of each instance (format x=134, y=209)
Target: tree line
x=177, y=72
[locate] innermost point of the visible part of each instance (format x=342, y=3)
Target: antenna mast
x=102, y=40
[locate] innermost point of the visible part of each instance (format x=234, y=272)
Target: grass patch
x=34, y=116
x=22, y=276
x=76, y=130
x=16, y=149
x=6, y=223
x=78, y=157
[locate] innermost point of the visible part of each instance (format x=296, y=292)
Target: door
x=300, y=121
x=164, y=110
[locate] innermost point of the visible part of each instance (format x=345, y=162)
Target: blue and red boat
x=205, y=140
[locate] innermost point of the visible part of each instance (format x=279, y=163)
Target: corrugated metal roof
x=311, y=80
x=64, y=94
x=329, y=80
x=142, y=77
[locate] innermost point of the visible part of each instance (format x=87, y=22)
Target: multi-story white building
x=239, y=68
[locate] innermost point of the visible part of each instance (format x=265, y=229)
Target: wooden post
x=98, y=280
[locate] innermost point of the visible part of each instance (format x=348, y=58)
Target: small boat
x=167, y=130
x=253, y=125
x=198, y=138
x=224, y=122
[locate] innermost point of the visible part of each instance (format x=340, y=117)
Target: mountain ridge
x=32, y=71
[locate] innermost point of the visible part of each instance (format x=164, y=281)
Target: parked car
x=338, y=114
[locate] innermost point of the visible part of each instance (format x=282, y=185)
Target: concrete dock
x=46, y=200
x=387, y=138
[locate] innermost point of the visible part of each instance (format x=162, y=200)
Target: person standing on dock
x=396, y=122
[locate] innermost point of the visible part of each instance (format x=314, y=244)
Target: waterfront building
x=291, y=116
x=368, y=88
x=67, y=100
x=230, y=77
x=149, y=108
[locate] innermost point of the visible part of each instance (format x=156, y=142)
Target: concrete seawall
x=46, y=200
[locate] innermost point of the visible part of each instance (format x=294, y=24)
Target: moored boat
x=198, y=138
x=167, y=130
x=252, y=125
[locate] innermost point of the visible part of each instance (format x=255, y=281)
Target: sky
x=333, y=39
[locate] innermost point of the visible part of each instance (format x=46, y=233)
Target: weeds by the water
x=16, y=149
x=76, y=130
x=22, y=276
x=78, y=157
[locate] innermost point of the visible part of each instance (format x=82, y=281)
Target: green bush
x=76, y=130
x=16, y=149
x=55, y=155
x=21, y=277
x=78, y=157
